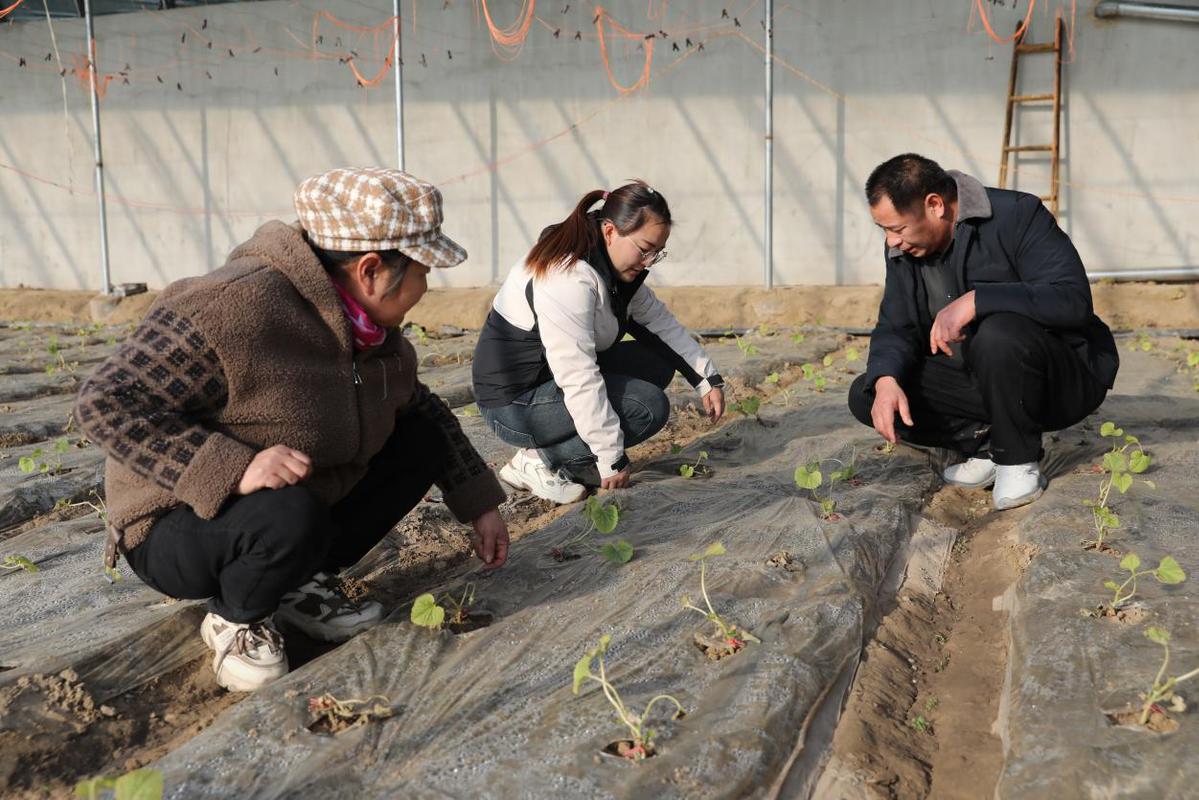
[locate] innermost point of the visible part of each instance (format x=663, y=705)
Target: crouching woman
x=553, y=372
x=265, y=427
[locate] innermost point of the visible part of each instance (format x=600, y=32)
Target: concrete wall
x=194, y=163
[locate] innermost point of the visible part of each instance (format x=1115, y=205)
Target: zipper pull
x=357, y=377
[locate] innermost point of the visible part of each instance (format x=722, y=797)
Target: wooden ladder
x=1019, y=48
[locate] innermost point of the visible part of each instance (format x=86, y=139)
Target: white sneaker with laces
x=973, y=473
x=526, y=470
x=1017, y=485
x=319, y=610
x=247, y=656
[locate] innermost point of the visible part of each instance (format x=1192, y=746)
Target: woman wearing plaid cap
x=265, y=428
x=553, y=374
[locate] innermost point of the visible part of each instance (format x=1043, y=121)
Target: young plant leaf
x=808, y=371
x=618, y=552
x=808, y=477
x=27, y=464
x=714, y=549
x=1110, y=429
x=686, y=470
x=1130, y=562
x=141, y=784
x=582, y=671
x=1168, y=571
x=1156, y=634
x=799, y=337
x=828, y=361
x=426, y=612
x=604, y=517
x=1112, y=585
x=1122, y=481
x=820, y=381
x=1138, y=462
x=772, y=377
x=852, y=354
x=1115, y=462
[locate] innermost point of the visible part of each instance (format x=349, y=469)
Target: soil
x=77, y=738
x=628, y=750
x=1125, y=616
x=785, y=561
x=473, y=622
x=332, y=716
x=715, y=648
x=918, y=720
x=1159, y=720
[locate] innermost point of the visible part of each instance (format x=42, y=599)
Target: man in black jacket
x=986, y=336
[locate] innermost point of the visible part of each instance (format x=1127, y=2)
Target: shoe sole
x=332, y=636
x=510, y=477
x=979, y=485
x=1023, y=501
x=231, y=684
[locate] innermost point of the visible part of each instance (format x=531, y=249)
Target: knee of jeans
x=861, y=403
x=646, y=411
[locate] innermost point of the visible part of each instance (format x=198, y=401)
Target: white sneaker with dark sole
x=973, y=473
x=527, y=471
x=247, y=656
x=319, y=610
x=1017, y=485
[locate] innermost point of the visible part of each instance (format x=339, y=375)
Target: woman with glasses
x=574, y=358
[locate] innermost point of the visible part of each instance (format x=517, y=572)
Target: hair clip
x=605, y=197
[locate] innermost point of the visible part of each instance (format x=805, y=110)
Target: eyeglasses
x=651, y=256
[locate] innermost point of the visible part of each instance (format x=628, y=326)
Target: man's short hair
x=907, y=179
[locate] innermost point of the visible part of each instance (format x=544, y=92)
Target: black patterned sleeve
x=146, y=406
x=469, y=486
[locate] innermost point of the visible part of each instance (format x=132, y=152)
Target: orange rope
x=387, y=28
x=512, y=38
x=4, y=12
x=982, y=14
x=643, y=81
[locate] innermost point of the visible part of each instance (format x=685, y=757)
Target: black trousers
x=265, y=544
x=1020, y=381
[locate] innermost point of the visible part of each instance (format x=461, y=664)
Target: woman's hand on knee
x=618, y=481
x=714, y=403
x=491, y=539
x=274, y=468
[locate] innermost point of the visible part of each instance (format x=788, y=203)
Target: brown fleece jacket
x=255, y=354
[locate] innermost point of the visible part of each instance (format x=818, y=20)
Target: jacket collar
x=285, y=248
x=601, y=263
x=973, y=203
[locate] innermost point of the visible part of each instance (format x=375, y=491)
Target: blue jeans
x=538, y=419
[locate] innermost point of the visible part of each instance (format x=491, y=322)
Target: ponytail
x=627, y=208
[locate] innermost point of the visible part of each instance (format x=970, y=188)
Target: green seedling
x=1141, y=342
x=1119, y=465
x=765, y=330
x=828, y=360
x=19, y=562
x=1167, y=571
x=112, y=574
x=810, y=477
x=37, y=461
x=453, y=609
x=602, y=517
x=852, y=354
x=729, y=638
x=749, y=407
x=1163, y=687
x=930, y=705
x=419, y=331
x=747, y=348
x=773, y=379
x=471, y=411
x=698, y=468
x=141, y=784
x=675, y=448
x=812, y=373
x=641, y=737
x=920, y=724
x=798, y=338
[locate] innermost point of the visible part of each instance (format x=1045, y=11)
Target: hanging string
x=647, y=42
x=508, y=42
x=4, y=12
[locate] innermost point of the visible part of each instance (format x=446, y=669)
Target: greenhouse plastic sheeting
x=491, y=713
x=1067, y=669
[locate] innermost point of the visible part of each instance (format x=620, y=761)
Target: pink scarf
x=366, y=333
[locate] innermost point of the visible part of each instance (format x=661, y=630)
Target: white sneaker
x=526, y=470
x=1017, y=485
x=319, y=610
x=248, y=655
x=974, y=473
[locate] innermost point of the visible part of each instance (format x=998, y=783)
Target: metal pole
x=91, y=69
x=398, y=64
x=768, y=243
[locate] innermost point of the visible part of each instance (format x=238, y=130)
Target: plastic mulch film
x=1067, y=668
x=491, y=713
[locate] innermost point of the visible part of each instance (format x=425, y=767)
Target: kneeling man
x=986, y=335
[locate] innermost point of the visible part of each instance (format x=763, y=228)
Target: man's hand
x=490, y=539
x=947, y=327
x=618, y=481
x=714, y=403
x=889, y=400
x=275, y=468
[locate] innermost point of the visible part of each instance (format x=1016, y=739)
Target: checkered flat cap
x=376, y=209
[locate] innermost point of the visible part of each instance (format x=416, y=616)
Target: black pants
x=265, y=544
x=1020, y=380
